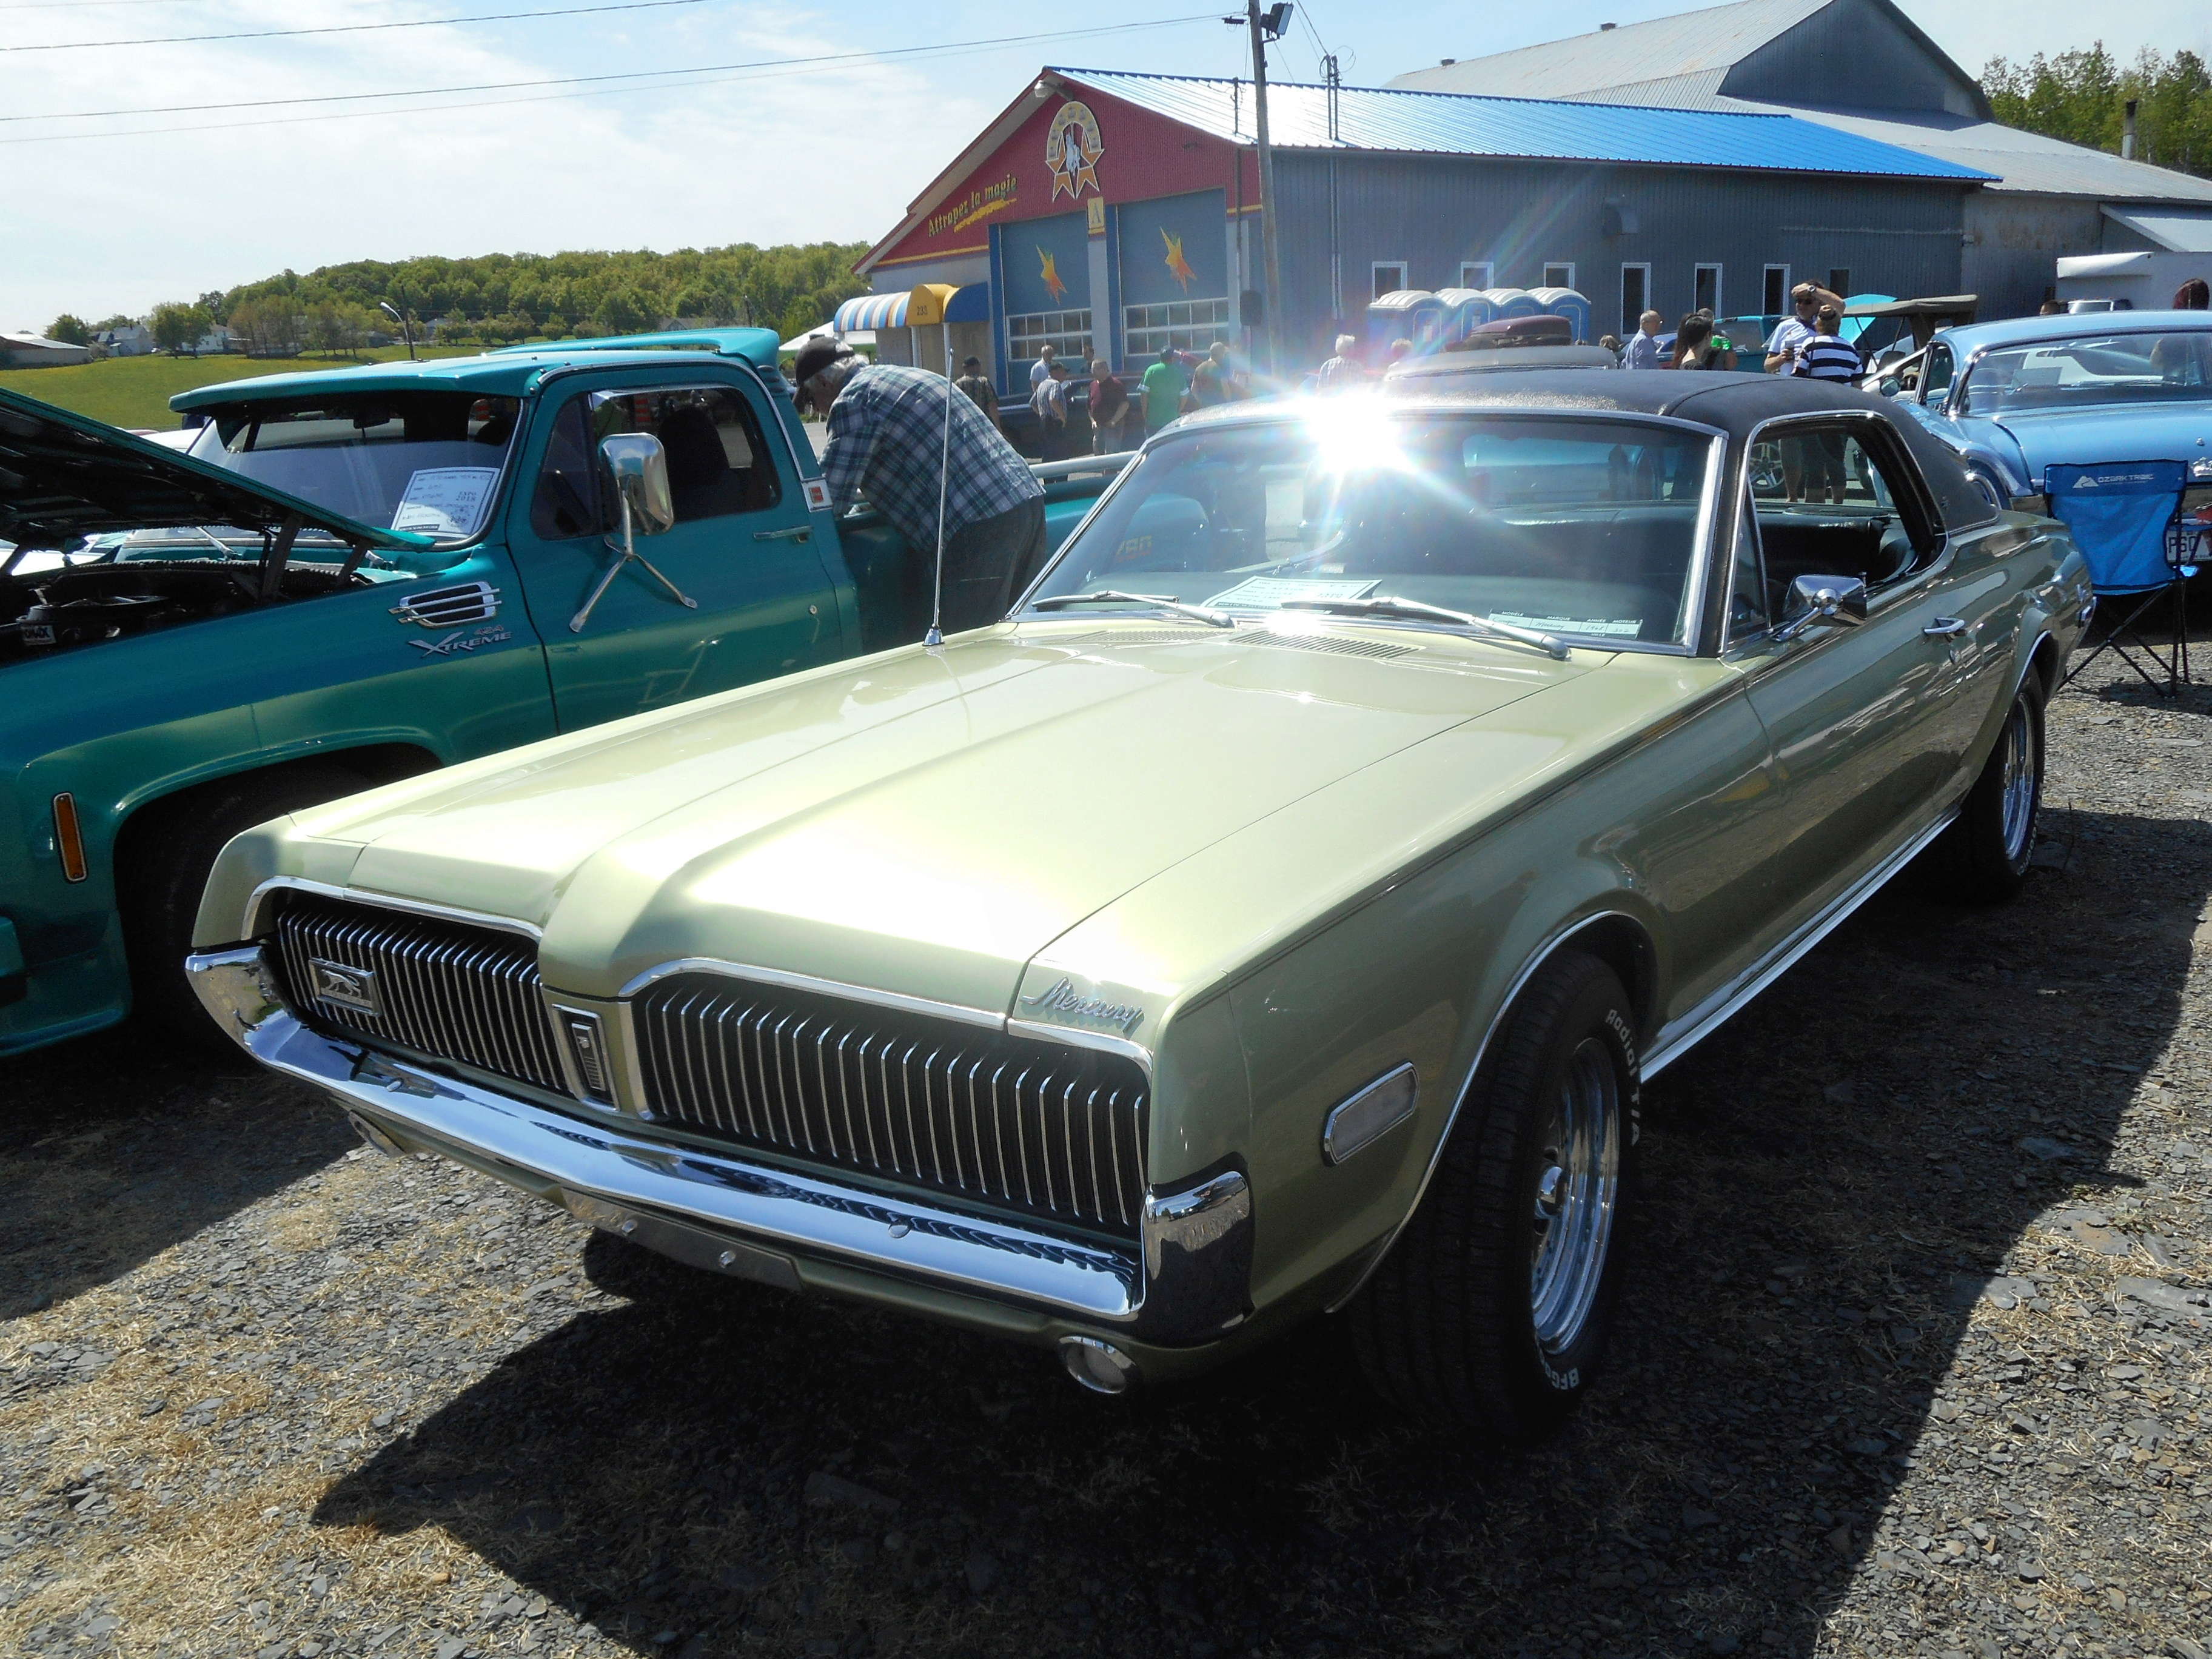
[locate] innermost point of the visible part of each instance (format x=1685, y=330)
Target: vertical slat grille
x=464, y=993
x=1052, y=1132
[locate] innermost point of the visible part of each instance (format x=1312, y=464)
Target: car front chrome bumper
x=1186, y=1280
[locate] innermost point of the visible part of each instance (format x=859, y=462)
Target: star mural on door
x=1178, y=267
x=1049, y=272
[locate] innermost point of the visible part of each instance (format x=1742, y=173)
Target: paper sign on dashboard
x=447, y=502
x=1266, y=592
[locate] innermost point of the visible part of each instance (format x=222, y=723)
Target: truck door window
x=718, y=461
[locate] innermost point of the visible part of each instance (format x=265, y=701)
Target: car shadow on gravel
x=1831, y=1182
x=115, y=1146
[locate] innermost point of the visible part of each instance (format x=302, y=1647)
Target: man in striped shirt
x=1827, y=357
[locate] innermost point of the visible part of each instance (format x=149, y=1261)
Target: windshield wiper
x=1384, y=604
x=1205, y=614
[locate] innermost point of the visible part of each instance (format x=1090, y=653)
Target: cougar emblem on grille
x=348, y=986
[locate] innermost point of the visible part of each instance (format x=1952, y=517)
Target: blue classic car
x=2011, y=398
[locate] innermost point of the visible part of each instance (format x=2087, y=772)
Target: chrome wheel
x=1577, y=1188
x=2017, y=782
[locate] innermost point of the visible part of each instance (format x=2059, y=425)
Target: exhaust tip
x=377, y=1139
x=1098, y=1366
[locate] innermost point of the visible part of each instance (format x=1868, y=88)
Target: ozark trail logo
x=347, y=985
x=1064, y=998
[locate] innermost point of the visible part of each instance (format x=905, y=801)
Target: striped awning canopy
x=873, y=311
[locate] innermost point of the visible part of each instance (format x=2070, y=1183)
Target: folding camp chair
x=2126, y=519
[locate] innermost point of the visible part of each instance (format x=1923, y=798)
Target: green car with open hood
x=1277, y=914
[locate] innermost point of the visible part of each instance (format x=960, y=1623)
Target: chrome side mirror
x=1822, y=601
x=634, y=467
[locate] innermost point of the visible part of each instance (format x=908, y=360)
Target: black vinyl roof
x=63, y=475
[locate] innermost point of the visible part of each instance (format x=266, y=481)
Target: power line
x=762, y=68
x=356, y=28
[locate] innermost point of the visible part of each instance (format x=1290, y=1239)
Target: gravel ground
x=1918, y=1365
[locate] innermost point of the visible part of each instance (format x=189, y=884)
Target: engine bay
x=46, y=612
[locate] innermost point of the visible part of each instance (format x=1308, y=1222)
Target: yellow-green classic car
x=1275, y=915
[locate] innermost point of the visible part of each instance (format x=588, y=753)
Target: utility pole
x=1265, y=27
x=1335, y=82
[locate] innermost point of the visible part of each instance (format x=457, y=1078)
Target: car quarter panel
x=1424, y=886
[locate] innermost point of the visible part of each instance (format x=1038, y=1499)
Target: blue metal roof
x=1454, y=124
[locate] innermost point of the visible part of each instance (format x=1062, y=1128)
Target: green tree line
x=2081, y=97
x=496, y=299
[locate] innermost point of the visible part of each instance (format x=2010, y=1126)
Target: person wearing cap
x=977, y=384
x=900, y=436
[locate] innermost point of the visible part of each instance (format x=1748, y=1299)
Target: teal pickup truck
x=356, y=574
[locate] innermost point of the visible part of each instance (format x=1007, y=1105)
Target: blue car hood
x=2134, y=432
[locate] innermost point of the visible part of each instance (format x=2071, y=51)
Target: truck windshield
x=1583, y=527
x=425, y=461
x=2146, y=367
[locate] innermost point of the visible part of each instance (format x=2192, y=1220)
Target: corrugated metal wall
x=1895, y=237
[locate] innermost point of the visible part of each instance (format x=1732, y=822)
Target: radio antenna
x=935, y=637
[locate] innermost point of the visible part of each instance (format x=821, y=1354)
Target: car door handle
x=797, y=533
x=1944, y=627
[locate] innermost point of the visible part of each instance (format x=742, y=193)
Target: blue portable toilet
x=1507, y=303
x=1408, y=313
x=1466, y=309
x=1567, y=303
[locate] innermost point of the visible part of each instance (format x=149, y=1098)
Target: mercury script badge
x=1062, y=998
x=348, y=986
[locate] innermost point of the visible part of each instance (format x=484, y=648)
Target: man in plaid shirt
x=887, y=442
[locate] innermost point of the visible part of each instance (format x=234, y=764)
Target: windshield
x=1581, y=527
x=2093, y=370
x=424, y=461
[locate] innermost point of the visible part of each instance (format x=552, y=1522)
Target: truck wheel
x=171, y=848
x=1491, y=1311
x=1984, y=855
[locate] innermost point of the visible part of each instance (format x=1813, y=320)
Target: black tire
x=167, y=851
x=1447, y=1330
x=1983, y=858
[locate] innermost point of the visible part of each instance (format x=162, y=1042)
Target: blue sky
x=95, y=223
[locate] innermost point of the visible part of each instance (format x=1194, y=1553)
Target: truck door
x=743, y=547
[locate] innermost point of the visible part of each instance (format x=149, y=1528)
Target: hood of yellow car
x=922, y=822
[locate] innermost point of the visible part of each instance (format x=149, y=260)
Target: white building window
x=1560, y=274
x=1067, y=333
x=1774, y=291
x=1705, y=289
x=1389, y=277
x=1185, y=324
x=1476, y=273
x=1635, y=297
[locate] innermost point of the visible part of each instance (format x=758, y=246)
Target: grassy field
x=134, y=392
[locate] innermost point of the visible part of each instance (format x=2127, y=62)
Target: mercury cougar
x=1274, y=917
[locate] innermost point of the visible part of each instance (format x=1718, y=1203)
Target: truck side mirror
x=634, y=467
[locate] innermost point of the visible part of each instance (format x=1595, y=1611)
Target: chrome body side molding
x=1678, y=1038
